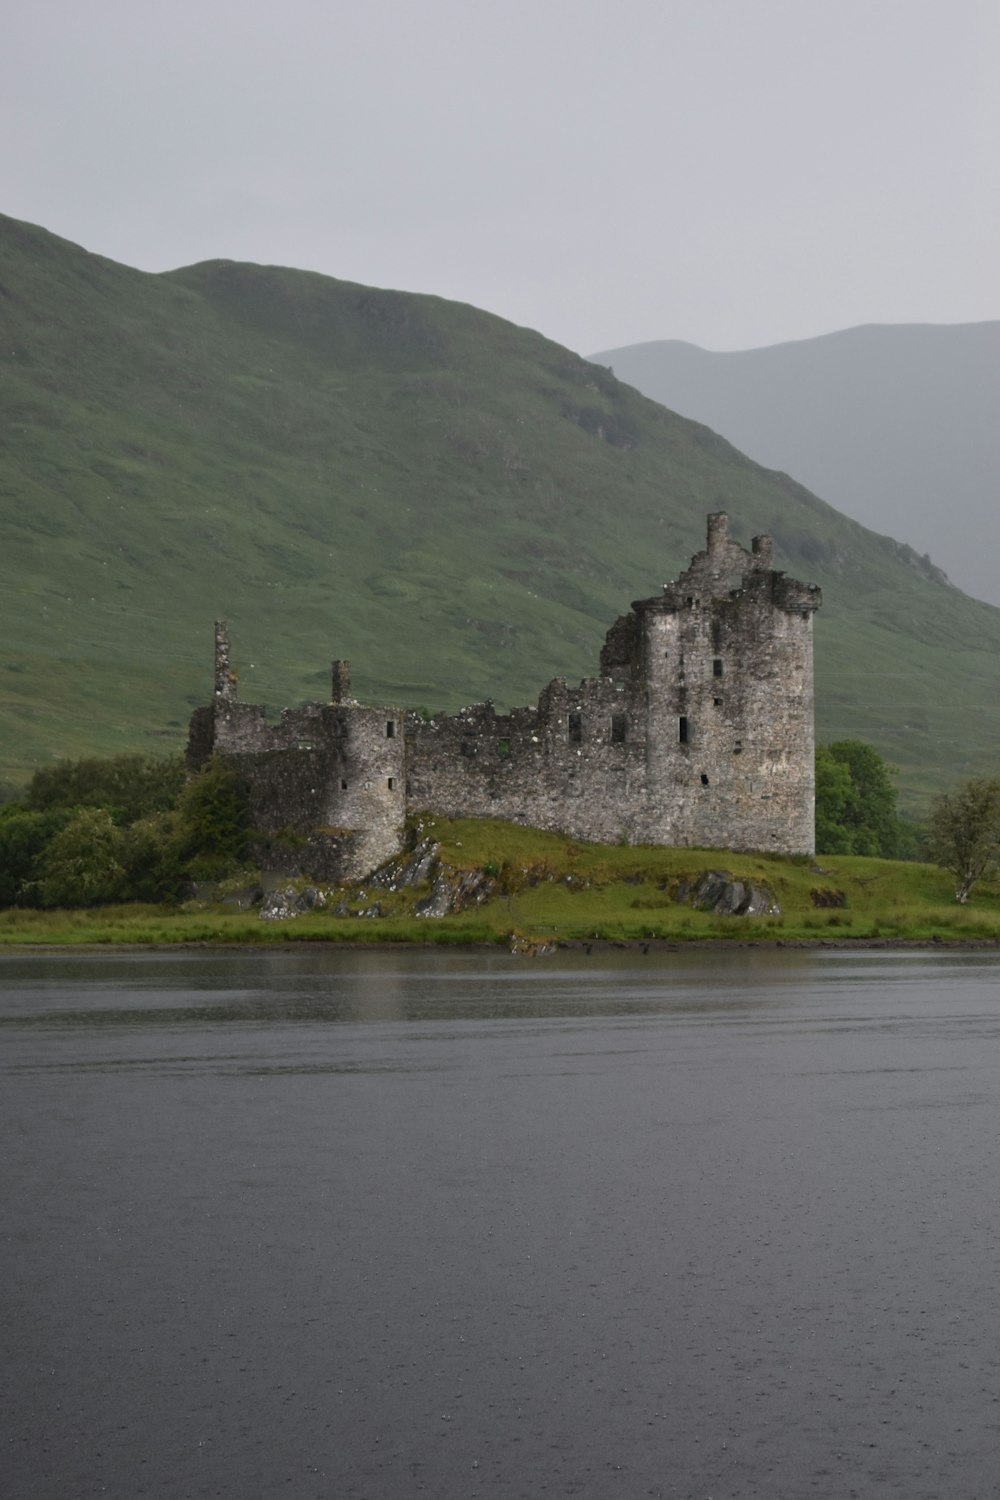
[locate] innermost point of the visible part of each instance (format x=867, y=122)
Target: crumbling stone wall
x=331, y=769
x=698, y=731
x=576, y=762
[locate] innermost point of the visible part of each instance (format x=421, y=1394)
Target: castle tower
x=727, y=657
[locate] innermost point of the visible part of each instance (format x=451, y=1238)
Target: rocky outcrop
x=456, y=890
x=451, y=889
x=289, y=901
x=718, y=891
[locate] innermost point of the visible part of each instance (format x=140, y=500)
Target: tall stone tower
x=726, y=655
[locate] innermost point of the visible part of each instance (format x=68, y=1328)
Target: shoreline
x=535, y=948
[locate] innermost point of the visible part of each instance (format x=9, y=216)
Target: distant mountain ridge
x=894, y=424
x=458, y=505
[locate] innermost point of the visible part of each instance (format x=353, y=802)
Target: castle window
x=390, y=729
x=391, y=783
x=575, y=729
x=704, y=779
x=343, y=786
x=689, y=601
x=682, y=730
x=717, y=702
x=619, y=723
x=503, y=747
x=717, y=667
x=738, y=748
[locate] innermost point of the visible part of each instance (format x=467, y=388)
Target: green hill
x=458, y=505
x=895, y=424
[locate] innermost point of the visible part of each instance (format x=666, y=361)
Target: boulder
x=722, y=893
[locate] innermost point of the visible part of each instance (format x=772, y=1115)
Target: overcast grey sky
x=731, y=172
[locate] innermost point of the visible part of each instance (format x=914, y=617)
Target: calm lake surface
x=374, y=1225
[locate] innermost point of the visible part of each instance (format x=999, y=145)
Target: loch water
x=372, y=1225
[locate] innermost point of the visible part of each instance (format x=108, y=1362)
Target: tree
x=834, y=794
x=213, y=815
x=152, y=850
x=24, y=837
x=129, y=786
x=856, y=815
x=83, y=864
x=964, y=832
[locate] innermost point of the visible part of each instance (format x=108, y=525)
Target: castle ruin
x=698, y=731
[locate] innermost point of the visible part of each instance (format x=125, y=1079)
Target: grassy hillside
x=458, y=505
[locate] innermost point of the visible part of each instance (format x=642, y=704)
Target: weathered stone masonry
x=698, y=731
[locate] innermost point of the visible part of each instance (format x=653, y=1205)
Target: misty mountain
x=894, y=425
x=458, y=505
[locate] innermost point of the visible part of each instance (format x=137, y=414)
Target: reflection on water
x=387, y=1223
x=360, y=985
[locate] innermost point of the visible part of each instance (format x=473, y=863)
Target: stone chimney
x=718, y=530
x=762, y=548
x=340, y=673
x=225, y=677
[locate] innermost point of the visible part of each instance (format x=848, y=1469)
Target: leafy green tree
x=83, y=865
x=857, y=816
x=964, y=833
x=153, y=856
x=129, y=786
x=834, y=795
x=24, y=837
x=213, y=813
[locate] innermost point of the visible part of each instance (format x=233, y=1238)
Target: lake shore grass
x=552, y=890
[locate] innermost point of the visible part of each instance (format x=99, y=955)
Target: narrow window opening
x=390, y=729
x=343, y=786
x=619, y=724
x=503, y=747
x=717, y=667
x=575, y=729
x=704, y=779
x=392, y=783
x=717, y=702
x=689, y=601
x=738, y=748
x=682, y=730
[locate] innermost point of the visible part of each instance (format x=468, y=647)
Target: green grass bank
x=551, y=889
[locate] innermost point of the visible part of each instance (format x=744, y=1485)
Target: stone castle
x=698, y=731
